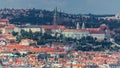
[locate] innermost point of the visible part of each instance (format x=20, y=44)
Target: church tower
x=55, y=17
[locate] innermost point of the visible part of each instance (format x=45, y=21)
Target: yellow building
x=33, y=28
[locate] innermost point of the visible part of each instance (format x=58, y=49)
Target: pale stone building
x=33, y=28
x=75, y=34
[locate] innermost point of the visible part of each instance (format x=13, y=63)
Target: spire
x=55, y=17
x=83, y=25
x=55, y=14
x=60, y=12
x=77, y=26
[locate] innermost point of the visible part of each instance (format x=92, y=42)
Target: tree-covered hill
x=45, y=17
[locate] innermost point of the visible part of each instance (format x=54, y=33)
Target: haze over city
x=69, y=6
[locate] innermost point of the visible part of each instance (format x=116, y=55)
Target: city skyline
x=71, y=6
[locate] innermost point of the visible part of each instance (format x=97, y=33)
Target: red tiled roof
x=2, y=23
x=53, y=27
x=12, y=38
x=104, y=26
x=10, y=26
x=42, y=49
x=18, y=47
x=93, y=29
x=74, y=30
x=5, y=35
x=97, y=32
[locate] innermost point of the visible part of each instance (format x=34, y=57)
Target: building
x=54, y=28
x=97, y=33
x=27, y=42
x=9, y=28
x=100, y=33
x=33, y=28
x=6, y=39
x=113, y=17
x=4, y=21
x=75, y=34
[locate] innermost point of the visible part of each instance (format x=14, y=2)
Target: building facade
x=33, y=28
x=75, y=34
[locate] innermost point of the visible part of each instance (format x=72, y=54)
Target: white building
x=115, y=17
x=98, y=35
x=75, y=34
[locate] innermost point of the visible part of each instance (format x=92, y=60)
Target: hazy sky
x=69, y=6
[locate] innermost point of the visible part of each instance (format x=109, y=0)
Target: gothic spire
x=55, y=17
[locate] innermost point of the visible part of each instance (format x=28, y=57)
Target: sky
x=68, y=6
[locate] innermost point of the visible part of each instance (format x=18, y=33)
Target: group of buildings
x=22, y=55
x=99, y=33
x=114, y=17
x=56, y=55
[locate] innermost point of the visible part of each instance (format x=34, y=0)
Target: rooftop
x=29, y=26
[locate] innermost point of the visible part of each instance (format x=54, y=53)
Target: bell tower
x=55, y=17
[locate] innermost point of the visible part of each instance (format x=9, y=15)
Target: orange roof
x=53, y=27
x=10, y=26
x=79, y=65
x=52, y=59
x=5, y=35
x=12, y=38
x=32, y=55
x=2, y=23
x=74, y=30
x=97, y=32
x=93, y=29
x=42, y=49
x=19, y=47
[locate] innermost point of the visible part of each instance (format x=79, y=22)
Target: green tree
x=19, y=38
x=14, y=33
